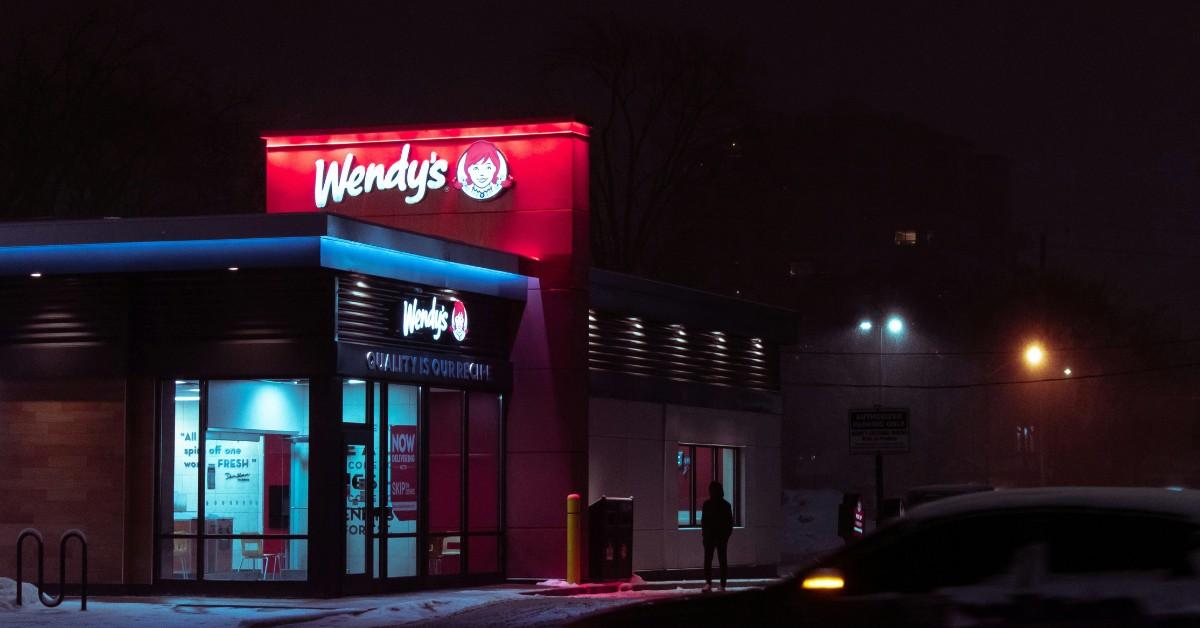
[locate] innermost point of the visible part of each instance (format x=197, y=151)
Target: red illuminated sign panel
x=517, y=187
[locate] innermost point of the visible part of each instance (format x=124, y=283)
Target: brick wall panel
x=63, y=467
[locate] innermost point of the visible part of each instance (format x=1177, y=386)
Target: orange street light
x=1034, y=354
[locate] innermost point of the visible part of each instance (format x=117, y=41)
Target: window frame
x=200, y=538
x=694, y=519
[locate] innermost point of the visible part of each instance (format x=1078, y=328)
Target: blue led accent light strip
x=352, y=256
x=244, y=253
x=160, y=255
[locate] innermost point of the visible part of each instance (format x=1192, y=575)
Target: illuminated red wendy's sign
x=481, y=174
x=512, y=187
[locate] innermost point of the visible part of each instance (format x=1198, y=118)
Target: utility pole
x=879, y=455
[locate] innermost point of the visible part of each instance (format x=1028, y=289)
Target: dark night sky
x=1096, y=104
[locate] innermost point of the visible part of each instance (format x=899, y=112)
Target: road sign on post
x=879, y=431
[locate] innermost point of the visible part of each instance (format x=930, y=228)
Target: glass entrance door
x=423, y=479
x=358, y=491
x=382, y=485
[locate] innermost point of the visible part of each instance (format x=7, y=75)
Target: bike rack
x=46, y=600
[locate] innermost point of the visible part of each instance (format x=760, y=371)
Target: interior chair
x=252, y=550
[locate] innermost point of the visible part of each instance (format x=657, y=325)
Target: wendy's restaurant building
x=390, y=379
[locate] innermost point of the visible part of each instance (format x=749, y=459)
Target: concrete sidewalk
x=498, y=605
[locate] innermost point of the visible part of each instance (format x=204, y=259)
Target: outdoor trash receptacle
x=610, y=539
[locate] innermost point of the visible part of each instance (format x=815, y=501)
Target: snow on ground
x=554, y=582
x=501, y=605
x=651, y=594
x=202, y=612
x=543, y=611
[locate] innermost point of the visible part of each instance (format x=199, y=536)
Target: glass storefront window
x=445, y=460
x=179, y=481
x=256, y=473
x=683, y=464
x=402, y=557
x=262, y=558
x=355, y=491
x=403, y=460
x=697, y=466
x=483, y=463
x=726, y=472
x=483, y=554
x=354, y=401
x=178, y=557
x=445, y=555
x=235, y=480
x=235, y=453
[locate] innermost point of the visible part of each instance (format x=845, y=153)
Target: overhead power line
x=1143, y=345
x=1012, y=382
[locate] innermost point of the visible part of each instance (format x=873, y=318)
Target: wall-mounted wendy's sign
x=519, y=166
x=386, y=312
x=518, y=187
x=481, y=173
x=431, y=316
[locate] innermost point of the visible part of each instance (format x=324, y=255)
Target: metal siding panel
x=631, y=345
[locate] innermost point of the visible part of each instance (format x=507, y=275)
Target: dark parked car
x=1057, y=556
x=918, y=495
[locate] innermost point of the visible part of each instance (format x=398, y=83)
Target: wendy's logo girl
x=482, y=171
x=458, y=321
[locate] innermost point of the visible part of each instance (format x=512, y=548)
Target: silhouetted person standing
x=716, y=524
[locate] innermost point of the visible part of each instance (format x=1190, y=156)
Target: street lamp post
x=894, y=325
x=1035, y=357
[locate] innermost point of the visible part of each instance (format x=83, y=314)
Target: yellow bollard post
x=573, y=538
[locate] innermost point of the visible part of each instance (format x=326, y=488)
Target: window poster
x=234, y=482
x=402, y=456
x=356, y=503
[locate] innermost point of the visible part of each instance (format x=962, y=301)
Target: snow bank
x=644, y=594
x=563, y=584
x=8, y=595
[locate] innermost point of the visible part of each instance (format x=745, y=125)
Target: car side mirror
x=822, y=580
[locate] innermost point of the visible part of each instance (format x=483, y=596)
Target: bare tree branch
x=657, y=118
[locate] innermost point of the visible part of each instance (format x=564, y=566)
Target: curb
x=616, y=587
